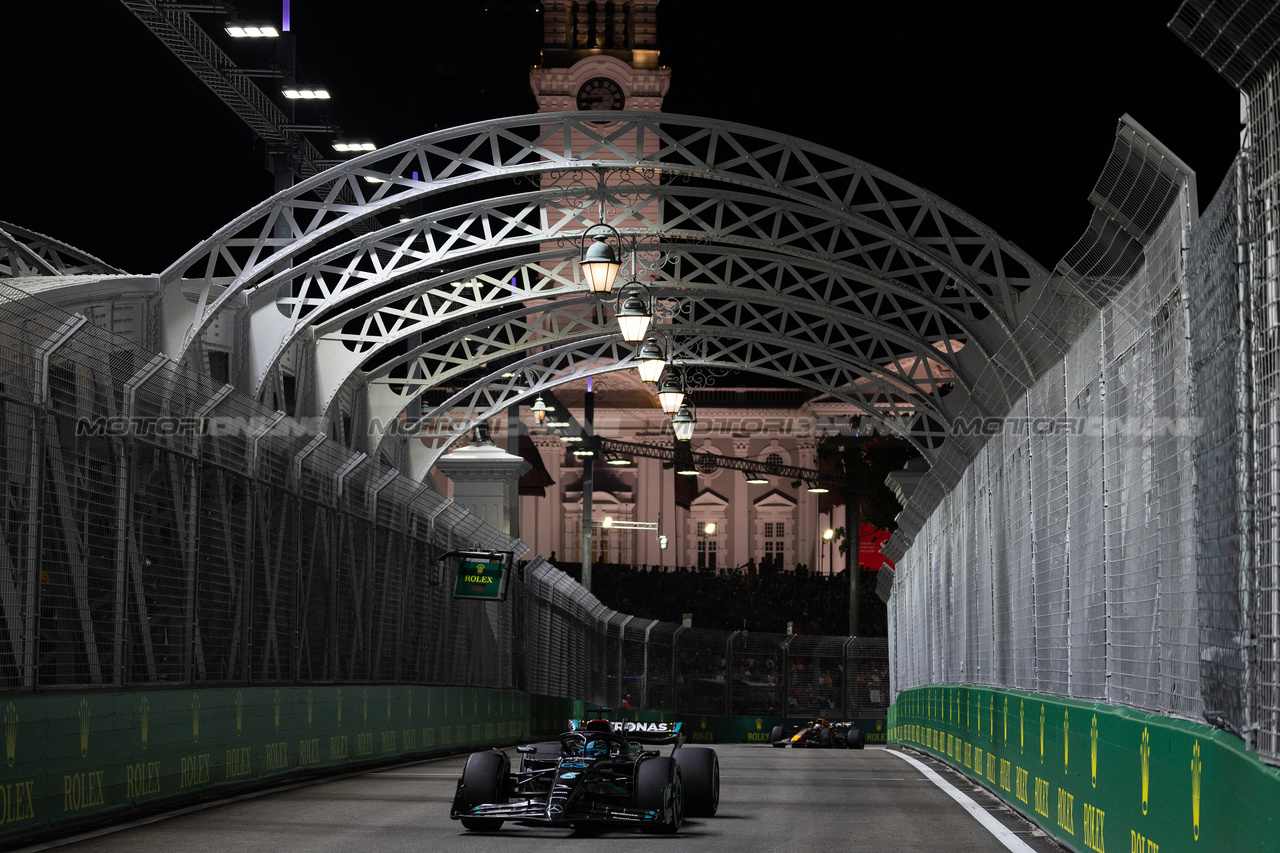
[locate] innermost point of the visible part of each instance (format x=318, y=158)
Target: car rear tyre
x=483, y=778
x=659, y=789
x=824, y=738
x=700, y=775
x=776, y=737
x=854, y=739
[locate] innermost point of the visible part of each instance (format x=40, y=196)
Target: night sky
x=1007, y=110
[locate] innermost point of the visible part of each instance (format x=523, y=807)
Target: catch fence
x=580, y=648
x=1125, y=551
x=159, y=528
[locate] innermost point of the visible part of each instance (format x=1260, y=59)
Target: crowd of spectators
x=739, y=599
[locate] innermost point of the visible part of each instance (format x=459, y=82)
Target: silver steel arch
x=28, y=253
x=862, y=335
x=491, y=393
x=348, y=271
x=736, y=208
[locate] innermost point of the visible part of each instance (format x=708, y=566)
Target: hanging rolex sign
x=481, y=574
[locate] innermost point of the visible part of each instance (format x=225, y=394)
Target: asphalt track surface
x=772, y=801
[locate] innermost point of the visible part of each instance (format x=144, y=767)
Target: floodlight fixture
x=754, y=478
x=828, y=534
x=251, y=30
x=306, y=93
x=349, y=146
x=818, y=489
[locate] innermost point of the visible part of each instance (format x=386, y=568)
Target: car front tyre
x=700, y=773
x=482, y=781
x=659, y=789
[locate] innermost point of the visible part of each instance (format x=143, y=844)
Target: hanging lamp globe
x=682, y=423
x=652, y=361
x=599, y=261
x=634, y=317
x=670, y=392
x=539, y=409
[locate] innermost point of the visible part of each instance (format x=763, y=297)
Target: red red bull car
x=819, y=733
x=599, y=773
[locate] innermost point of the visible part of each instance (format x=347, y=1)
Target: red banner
x=870, y=540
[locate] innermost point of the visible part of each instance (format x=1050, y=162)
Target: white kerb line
x=1002, y=833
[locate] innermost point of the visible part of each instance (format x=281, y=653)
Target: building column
x=486, y=481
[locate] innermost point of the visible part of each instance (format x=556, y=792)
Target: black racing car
x=599, y=774
x=819, y=733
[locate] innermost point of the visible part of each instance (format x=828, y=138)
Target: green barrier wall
x=1098, y=777
x=81, y=758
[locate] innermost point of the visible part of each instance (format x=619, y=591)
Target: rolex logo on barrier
x=1145, y=751
x=1197, y=766
x=195, y=717
x=1042, y=734
x=144, y=712
x=1093, y=751
x=10, y=733
x=84, y=728
x=1066, y=741
x=1022, y=724
x=759, y=723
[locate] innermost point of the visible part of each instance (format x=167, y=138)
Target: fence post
x=36, y=477
x=728, y=673
x=675, y=668
x=644, y=690
x=847, y=687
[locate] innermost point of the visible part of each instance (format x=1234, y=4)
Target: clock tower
x=599, y=55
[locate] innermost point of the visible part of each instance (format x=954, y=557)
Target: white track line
x=1002, y=833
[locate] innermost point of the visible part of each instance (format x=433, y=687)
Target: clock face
x=600, y=93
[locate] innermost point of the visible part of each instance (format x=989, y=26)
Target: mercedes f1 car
x=819, y=733
x=599, y=774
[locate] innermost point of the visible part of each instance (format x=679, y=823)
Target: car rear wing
x=655, y=734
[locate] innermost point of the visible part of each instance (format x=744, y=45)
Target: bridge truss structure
x=447, y=265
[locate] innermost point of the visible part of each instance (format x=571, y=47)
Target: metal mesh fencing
x=1263, y=723
x=578, y=648
x=162, y=529
x=1063, y=559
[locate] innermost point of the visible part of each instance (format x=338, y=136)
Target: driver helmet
x=596, y=747
x=819, y=722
